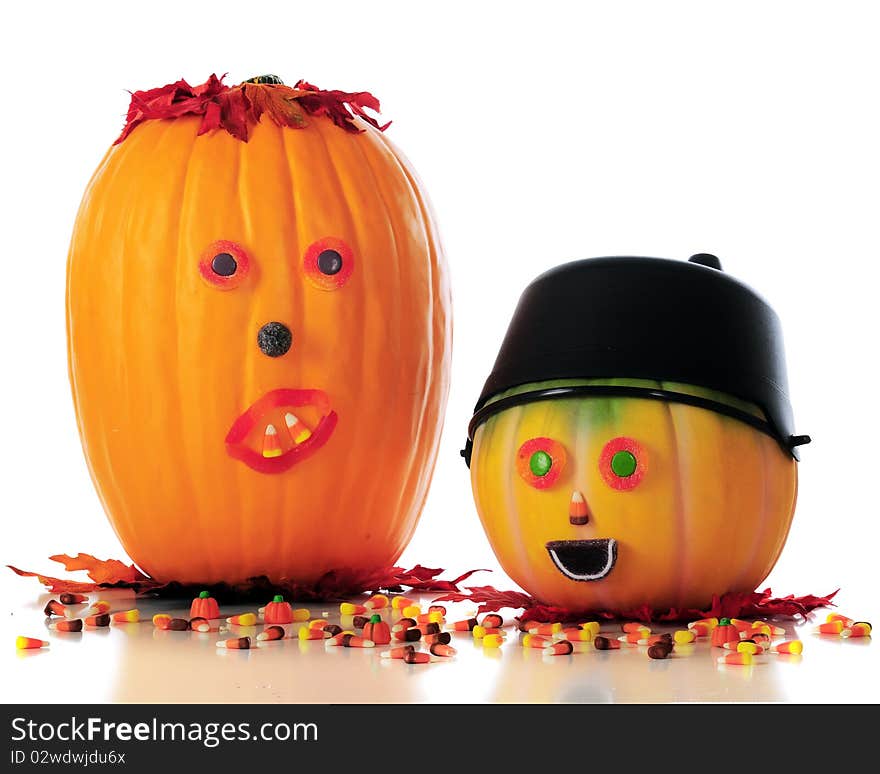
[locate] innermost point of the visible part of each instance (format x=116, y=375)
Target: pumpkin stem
x=375, y=618
x=278, y=598
x=204, y=595
x=724, y=622
x=269, y=80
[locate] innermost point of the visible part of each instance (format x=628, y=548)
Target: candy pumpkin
x=204, y=606
x=258, y=322
x=601, y=493
x=278, y=611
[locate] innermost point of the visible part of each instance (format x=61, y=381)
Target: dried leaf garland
x=238, y=109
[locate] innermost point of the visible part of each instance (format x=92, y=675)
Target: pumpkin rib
x=396, y=157
x=680, y=568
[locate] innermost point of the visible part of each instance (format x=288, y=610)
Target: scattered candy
x=795, y=647
x=492, y=621
x=838, y=617
x=376, y=602
x=703, y=623
x=832, y=627
x=161, y=621
x=271, y=633
x=336, y=639
x=634, y=626
x=775, y=631
x=412, y=634
x=442, y=638
x=684, y=636
x=398, y=603
x=858, y=629
x=466, y=625
x=100, y=620
x=245, y=619
x=350, y=608
x=98, y=607
x=740, y=625
x=306, y=633
x=353, y=641
x=29, y=643
x=561, y=648
x=200, y=624
x=761, y=639
x=655, y=638
x=127, y=616
x=747, y=646
x=204, y=606
x=736, y=659
x=67, y=625
x=398, y=653
x=481, y=631
x=412, y=611
x=68, y=598
x=416, y=657
x=494, y=641
x=536, y=641
x=442, y=649
x=574, y=635
x=54, y=607
x=178, y=625
x=403, y=624
x=605, y=643
x=429, y=618
x=547, y=629
x=660, y=650
x=236, y=643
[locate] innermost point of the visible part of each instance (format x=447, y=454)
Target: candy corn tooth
x=30, y=643
x=271, y=444
x=795, y=647
x=236, y=643
x=127, y=616
x=297, y=428
x=736, y=659
x=245, y=619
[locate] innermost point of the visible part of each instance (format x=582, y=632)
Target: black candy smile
x=583, y=560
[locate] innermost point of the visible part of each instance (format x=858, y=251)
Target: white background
x=543, y=132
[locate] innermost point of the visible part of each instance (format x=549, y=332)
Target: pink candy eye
x=622, y=463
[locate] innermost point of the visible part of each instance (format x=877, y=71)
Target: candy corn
x=297, y=428
x=398, y=653
x=401, y=625
x=481, y=631
x=360, y=621
x=306, y=633
x=271, y=633
x=492, y=621
x=68, y=598
x=54, y=607
x=605, y=643
x=98, y=607
x=301, y=614
x=745, y=646
x=67, y=625
x=684, y=636
x=660, y=650
x=831, y=627
x=536, y=641
x=435, y=617
x=161, y=620
x=736, y=659
x=578, y=513
x=703, y=623
x=412, y=634
x=398, y=603
x=411, y=611
x=100, y=620
x=245, y=619
x=858, y=629
x=29, y=643
x=417, y=657
x=795, y=647
x=740, y=625
x=634, y=626
x=437, y=609
x=442, y=638
x=592, y=627
x=838, y=617
x=353, y=641
x=127, y=616
x=493, y=641
x=331, y=630
x=442, y=649
x=763, y=626
x=350, y=608
x=319, y=623
x=236, y=643
x=466, y=625
x=271, y=444
x=336, y=639
x=561, y=648
x=574, y=635
x=701, y=628
x=376, y=602
x=200, y=624
x=654, y=639
x=546, y=629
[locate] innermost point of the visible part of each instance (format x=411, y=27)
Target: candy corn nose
x=578, y=513
x=271, y=444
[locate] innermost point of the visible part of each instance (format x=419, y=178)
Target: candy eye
x=622, y=463
x=540, y=462
x=224, y=264
x=328, y=263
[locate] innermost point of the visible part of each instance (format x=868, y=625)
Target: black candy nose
x=274, y=339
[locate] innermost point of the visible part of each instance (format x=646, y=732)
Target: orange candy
x=54, y=607
x=536, y=641
x=736, y=659
x=442, y=649
x=701, y=628
x=271, y=633
x=127, y=616
x=236, y=643
x=68, y=598
x=244, y=619
x=307, y=633
x=67, y=625
x=795, y=647
x=831, y=627
x=546, y=629
x=161, y=620
x=492, y=621
x=634, y=626
x=417, y=657
x=30, y=643
x=403, y=624
x=350, y=608
x=398, y=653
x=100, y=620
x=398, y=603
x=838, y=617
x=858, y=629
x=561, y=648
x=376, y=602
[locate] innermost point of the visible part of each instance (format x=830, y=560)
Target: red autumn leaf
x=732, y=605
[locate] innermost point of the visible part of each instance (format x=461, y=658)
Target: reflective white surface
x=137, y=663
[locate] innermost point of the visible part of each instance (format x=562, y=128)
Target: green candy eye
x=623, y=464
x=540, y=463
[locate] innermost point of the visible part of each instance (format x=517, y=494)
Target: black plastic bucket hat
x=645, y=318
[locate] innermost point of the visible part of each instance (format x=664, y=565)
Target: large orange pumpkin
x=259, y=331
